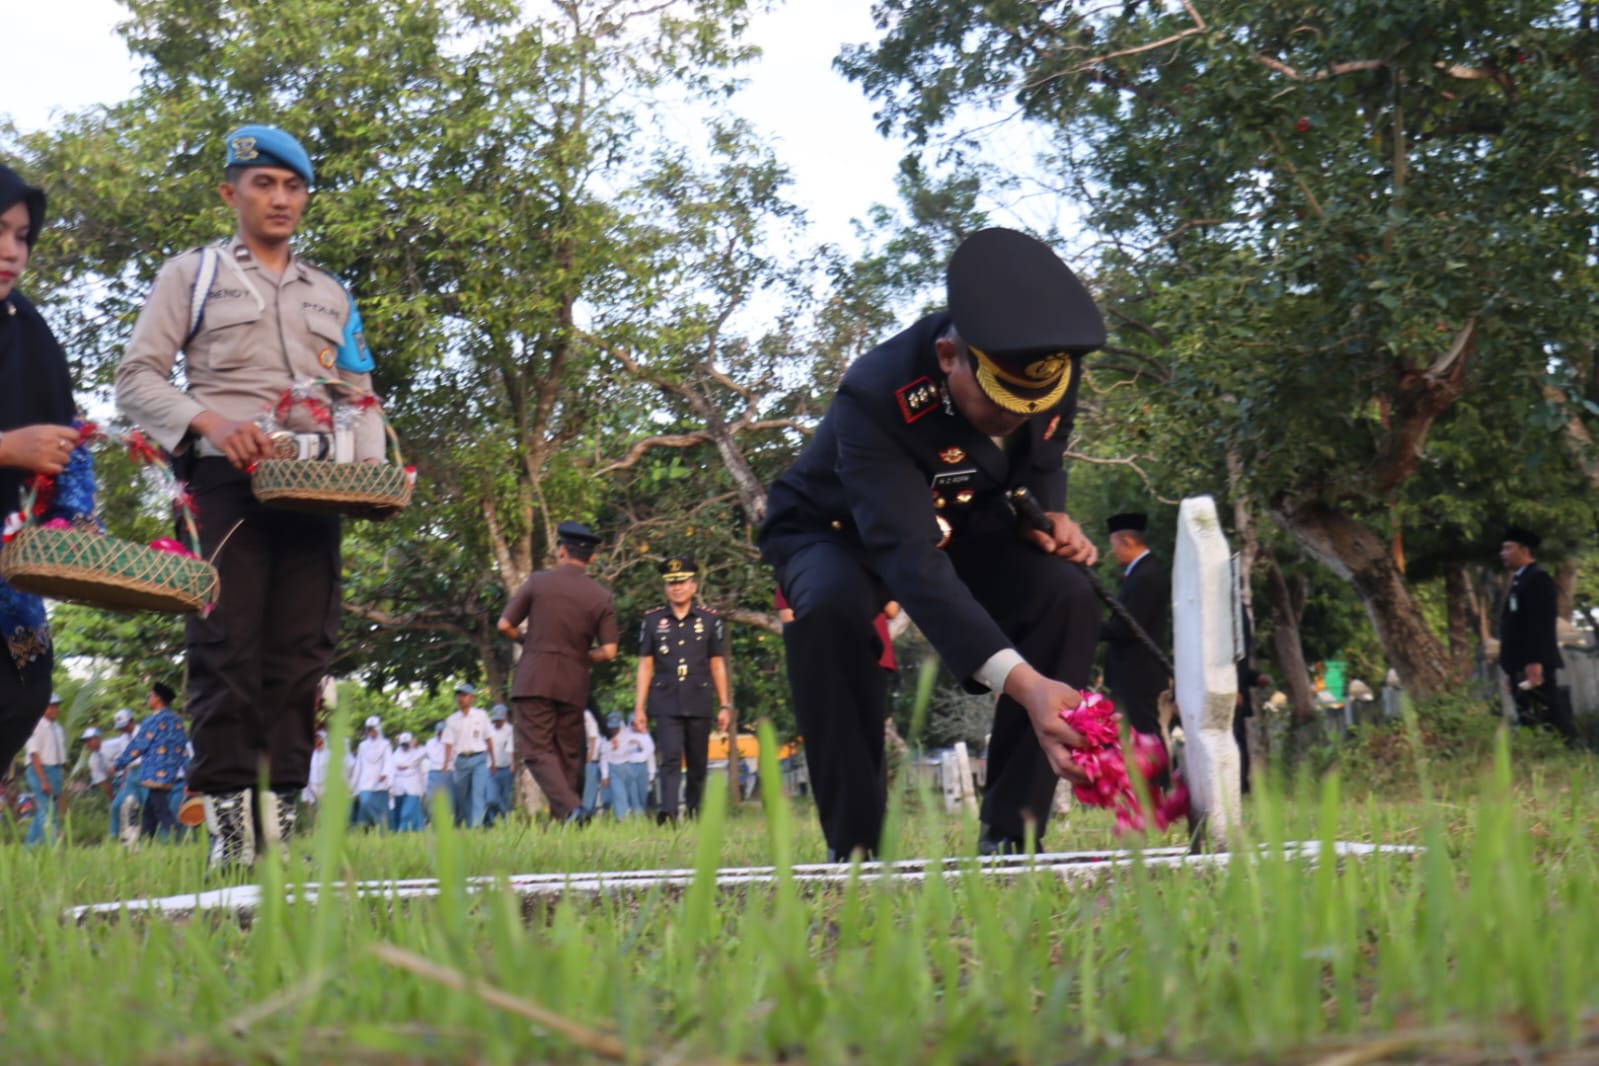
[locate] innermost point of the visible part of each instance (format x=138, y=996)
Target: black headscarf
x=35, y=385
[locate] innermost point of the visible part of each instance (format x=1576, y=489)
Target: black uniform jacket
x=682, y=649
x=873, y=476
x=1131, y=668
x=1527, y=623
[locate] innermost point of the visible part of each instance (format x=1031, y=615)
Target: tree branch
x=1423, y=396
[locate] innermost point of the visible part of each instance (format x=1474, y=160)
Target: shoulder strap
x=204, y=278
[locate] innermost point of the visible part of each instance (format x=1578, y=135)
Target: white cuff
x=992, y=674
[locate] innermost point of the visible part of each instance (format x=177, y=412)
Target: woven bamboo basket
x=358, y=490
x=106, y=571
x=319, y=486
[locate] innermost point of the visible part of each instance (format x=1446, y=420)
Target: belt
x=464, y=754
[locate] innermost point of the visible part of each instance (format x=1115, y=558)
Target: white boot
x=277, y=815
x=232, y=829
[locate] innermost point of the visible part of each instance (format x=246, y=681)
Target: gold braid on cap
x=998, y=383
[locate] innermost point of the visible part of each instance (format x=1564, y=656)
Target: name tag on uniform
x=950, y=479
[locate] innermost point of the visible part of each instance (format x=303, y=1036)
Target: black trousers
x=681, y=738
x=1548, y=706
x=157, y=813
x=23, y=697
x=1042, y=603
x=255, y=662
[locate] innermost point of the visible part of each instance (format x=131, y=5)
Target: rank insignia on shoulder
x=1049, y=430
x=952, y=455
x=918, y=398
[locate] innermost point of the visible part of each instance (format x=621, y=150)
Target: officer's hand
x=640, y=721
x=1535, y=674
x=1043, y=699
x=723, y=717
x=43, y=448
x=244, y=443
x=1066, y=540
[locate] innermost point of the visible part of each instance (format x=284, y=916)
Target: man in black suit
x=1528, y=651
x=903, y=494
x=1133, y=672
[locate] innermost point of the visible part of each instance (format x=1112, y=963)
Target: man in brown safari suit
x=571, y=624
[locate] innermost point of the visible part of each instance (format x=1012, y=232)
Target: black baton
x=1031, y=513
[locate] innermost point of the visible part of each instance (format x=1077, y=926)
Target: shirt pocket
x=230, y=334
x=323, y=335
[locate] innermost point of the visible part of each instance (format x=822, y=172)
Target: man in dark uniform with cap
x=252, y=320
x=1529, y=652
x=682, y=684
x=1133, y=673
x=903, y=494
x=571, y=624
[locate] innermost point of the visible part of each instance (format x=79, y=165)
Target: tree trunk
x=1286, y=647
x=1352, y=551
x=1565, y=588
x=1462, y=640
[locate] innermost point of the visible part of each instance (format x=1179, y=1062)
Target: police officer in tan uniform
x=571, y=625
x=682, y=684
x=252, y=320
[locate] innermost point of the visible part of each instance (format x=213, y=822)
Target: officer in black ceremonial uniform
x=1134, y=673
x=902, y=494
x=682, y=684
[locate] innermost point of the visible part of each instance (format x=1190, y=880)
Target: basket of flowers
x=56, y=548
x=330, y=486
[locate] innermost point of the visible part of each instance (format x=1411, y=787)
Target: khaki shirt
x=245, y=354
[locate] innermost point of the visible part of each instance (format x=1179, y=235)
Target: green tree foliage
x=1348, y=246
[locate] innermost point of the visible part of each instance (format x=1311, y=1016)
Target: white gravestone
x=1204, y=658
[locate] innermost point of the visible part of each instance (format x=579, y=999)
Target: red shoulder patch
x=918, y=398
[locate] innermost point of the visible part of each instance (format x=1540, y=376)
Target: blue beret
x=267, y=146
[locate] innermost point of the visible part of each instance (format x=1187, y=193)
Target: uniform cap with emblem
x=613, y=721
x=55, y=697
x=466, y=688
x=1523, y=536
x=1023, y=314
x=90, y=733
x=406, y=738
x=499, y=712
x=1116, y=523
x=678, y=569
x=122, y=717
x=267, y=146
x=576, y=533
x=373, y=722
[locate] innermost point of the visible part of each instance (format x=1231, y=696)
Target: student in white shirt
x=374, y=774
x=439, y=771
x=410, y=782
x=501, y=785
x=316, y=784
x=46, y=753
x=626, y=758
x=466, y=744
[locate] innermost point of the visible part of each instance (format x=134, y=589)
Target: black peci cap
x=1523, y=535
x=1116, y=523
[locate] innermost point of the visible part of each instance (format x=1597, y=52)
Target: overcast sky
x=65, y=55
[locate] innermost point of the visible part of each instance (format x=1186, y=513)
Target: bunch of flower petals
x=1109, y=783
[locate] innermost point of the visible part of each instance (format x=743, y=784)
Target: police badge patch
x=918, y=398
x=326, y=357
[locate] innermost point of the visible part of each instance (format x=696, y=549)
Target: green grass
x=1488, y=941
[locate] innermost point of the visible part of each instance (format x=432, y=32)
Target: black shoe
x=836, y=856
x=991, y=843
